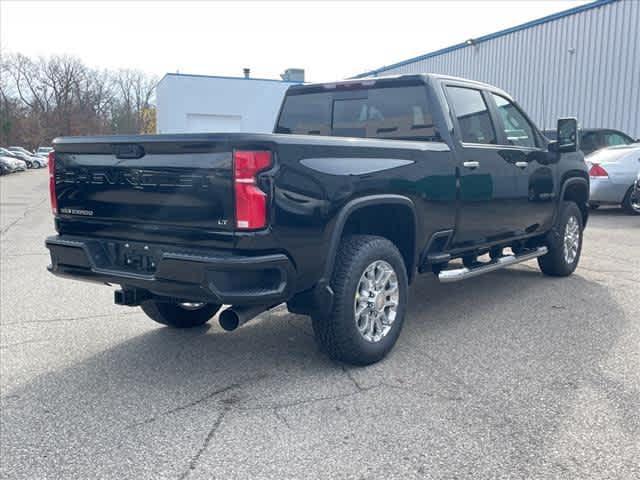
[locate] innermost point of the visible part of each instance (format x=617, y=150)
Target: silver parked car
x=12, y=164
x=7, y=165
x=635, y=196
x=31, y=161
x=613, y=172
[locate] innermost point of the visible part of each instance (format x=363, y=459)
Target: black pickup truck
x=362, y=185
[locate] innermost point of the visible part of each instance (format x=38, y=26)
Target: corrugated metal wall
x=585, y=65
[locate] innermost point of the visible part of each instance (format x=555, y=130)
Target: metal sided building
x=582, y=62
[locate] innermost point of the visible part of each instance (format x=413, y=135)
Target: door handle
x=522, y=164
x=471, y=165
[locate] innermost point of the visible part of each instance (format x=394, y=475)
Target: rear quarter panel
x=316, y=177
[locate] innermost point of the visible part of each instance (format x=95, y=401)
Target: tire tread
x=333, y=333
x=553, y=263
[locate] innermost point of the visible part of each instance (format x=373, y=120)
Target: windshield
x=400, y=113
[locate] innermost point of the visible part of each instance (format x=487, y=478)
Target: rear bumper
x=606, y=191
x=186, y=274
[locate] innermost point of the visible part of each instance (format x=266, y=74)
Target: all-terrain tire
x=173, y=315
x=557, y=262
x=336, y=332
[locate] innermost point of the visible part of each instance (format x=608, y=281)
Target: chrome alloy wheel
x=376, y=301
x=571, y=239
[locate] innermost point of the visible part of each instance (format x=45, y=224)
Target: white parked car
x=43, y=151
x=613, y=172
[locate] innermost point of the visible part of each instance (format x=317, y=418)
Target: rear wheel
x=370, y=298
x=564, y=242
x=179, y=315
x=631, y=202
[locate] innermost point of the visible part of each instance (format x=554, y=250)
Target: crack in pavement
x=281, y=417
x=347, y=372
x=198, y=401
x=186, y=406
x=70, y=319
x=193, y=463
x=14, y=255
x=308, y=401
x=604, y=270
x=22, y=217
x=26, y=342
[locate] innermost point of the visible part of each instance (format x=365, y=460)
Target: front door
x=531, y=164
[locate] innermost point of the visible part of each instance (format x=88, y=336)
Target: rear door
x=488, y=196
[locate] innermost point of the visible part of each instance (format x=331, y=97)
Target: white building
x=201, y=103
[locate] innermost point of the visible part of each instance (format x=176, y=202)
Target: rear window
x=308, y=114
x=400, y=113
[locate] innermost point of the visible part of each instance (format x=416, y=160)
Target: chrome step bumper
x=457, y=274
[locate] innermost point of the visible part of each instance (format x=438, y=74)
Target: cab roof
x=390, y=80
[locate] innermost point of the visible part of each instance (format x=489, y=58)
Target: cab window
x=517, y=129
x=472, y=114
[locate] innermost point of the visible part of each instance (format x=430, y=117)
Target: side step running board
x=457, y=274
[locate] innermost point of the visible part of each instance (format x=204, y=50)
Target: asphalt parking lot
x=510, y=375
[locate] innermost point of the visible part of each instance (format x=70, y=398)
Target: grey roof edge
x=222, y=77
x=491, y=36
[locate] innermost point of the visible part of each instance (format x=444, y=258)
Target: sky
x=330, y=40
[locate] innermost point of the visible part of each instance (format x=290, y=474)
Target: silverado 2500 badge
x=76, y=211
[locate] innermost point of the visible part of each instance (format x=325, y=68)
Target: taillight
x=597, y=171
x=251, y=202
x=52, y=182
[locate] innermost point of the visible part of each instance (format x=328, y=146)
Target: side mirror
x=568, y=137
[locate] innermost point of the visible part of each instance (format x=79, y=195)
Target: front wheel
x=564, y=242
x=179, y=315
x=370, y=299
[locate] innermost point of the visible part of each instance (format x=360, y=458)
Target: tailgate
x=156, y=179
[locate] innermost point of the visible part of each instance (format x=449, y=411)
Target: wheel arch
x=576, y=189
x=350, y=213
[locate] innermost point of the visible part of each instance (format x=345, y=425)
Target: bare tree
x=135, y=91
x=44, y=98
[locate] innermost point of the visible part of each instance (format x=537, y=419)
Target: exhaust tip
x=229, y=320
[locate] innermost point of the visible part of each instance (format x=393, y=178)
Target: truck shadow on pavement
x=504, y=360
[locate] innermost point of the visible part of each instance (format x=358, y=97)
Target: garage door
x=201, y=123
